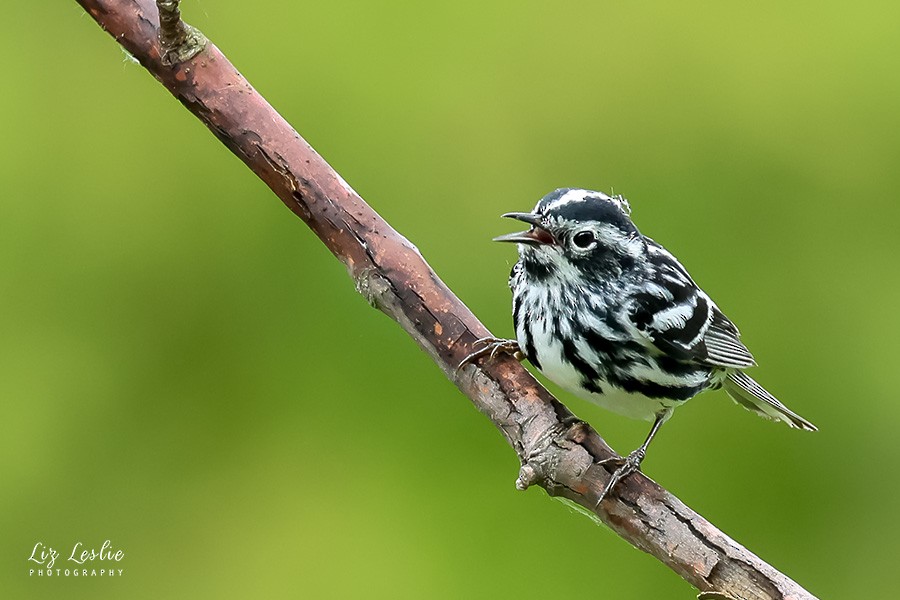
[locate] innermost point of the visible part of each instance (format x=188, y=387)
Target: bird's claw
x=492, y=347
x=626, y=466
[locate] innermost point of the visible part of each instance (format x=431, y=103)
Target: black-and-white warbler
x=611, y=316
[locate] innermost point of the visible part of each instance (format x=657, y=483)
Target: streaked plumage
x=613, y=317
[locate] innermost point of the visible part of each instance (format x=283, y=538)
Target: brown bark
x=557, y=452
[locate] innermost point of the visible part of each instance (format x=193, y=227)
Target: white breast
x=550, y=355
x=627, y=404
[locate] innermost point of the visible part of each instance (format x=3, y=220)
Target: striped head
x=578, y=233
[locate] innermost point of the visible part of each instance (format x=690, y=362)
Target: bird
x=611, y=316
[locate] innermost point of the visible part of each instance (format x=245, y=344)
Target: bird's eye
x=583, y=239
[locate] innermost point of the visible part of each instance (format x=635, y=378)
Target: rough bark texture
x=557, y=452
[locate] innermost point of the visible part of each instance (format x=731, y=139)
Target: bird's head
x=581, y=229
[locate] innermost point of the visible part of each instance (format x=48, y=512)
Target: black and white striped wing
x=681, y=320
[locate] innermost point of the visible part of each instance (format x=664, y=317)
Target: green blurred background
x=191, y=375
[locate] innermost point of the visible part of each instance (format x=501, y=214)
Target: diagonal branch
x=557, y=452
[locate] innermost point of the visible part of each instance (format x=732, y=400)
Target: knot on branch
x=528, y=476
x=178, y=40
x=370, y=285
x=551, y=456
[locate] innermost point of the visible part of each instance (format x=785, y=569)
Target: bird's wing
x=682, y=321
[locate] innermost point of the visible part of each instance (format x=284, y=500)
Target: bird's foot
x=626, y=466
x=492, y=347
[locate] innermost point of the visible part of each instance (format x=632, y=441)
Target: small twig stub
x=178, y=40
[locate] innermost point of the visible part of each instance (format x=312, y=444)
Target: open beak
x=535, y=236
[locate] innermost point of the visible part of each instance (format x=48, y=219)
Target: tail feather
x=754, y=397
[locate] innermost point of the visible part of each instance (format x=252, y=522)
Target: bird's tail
x=754, y=397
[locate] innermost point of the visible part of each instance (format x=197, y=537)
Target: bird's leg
x=492, y=347
x=632, y=462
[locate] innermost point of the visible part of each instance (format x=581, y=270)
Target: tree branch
x=557, y=452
